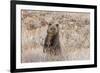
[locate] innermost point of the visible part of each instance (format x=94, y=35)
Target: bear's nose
x=53, y=29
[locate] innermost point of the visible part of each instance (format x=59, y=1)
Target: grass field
x=74, y=32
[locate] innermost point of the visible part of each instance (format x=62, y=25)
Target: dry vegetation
x=74, y=32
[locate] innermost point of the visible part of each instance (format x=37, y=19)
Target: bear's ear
x=49, y=24
x=57, y=25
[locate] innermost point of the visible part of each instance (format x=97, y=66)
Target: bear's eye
x=57, y=25
x=49, y=24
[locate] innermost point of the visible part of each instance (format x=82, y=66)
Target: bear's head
x=53, y=29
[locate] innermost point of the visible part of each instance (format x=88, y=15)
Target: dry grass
x=74, y=32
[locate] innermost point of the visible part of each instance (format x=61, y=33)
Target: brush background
x=5, y=37
x=74, y=35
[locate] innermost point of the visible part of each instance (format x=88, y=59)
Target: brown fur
x=52, y=44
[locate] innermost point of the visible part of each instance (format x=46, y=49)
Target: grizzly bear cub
x=52, y=44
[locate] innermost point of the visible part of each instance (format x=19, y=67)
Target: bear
x=52, y=43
